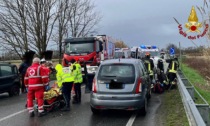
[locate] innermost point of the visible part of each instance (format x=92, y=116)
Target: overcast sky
x=138, y=22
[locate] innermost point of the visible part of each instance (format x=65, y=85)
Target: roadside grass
x=198, y=82
x=172, y=109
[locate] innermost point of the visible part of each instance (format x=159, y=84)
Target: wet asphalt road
x=13, y=113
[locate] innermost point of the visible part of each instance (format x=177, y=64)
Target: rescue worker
x=77, y=82
x=22, y=70
x=65, y=80
x=149, y=66
x=160, y=65
x=172, y=69
x=35, y=80
x=44, y=65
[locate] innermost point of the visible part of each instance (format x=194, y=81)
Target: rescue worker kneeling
x=65, y=80
x=36, y=79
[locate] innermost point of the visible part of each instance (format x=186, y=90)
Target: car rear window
x=124, y=72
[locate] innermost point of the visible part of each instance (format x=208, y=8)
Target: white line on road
x=9, y=116
x=131, y=120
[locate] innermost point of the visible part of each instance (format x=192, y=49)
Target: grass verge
x=198, y=82
x=172, y=109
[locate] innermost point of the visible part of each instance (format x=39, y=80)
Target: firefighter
x=77, y=82
x=149, y=65
x=65, y=80
x=172, y=69
x=35, y=80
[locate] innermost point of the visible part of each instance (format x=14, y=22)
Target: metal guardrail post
x=190, y=90
x=192, y=112
x=204, y=111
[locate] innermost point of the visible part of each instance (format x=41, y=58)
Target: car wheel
x=144, y=109
x=14, y=91
x=95, y=111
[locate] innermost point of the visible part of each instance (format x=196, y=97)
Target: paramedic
x=35, y=80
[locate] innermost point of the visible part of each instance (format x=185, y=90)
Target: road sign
x=172, y=51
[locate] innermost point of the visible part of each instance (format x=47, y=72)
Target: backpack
x=158, y=88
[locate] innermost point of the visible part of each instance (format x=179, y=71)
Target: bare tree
x=83, y=18
x=30, y=24
x=26, y=24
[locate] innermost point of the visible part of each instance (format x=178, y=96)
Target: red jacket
x=47, y=70
x=36, y=76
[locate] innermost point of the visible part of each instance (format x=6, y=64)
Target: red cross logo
x=31, y=72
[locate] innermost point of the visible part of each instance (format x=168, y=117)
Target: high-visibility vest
x=78, y=74
x=174, y=67
x=67, y=74
x=59, y=69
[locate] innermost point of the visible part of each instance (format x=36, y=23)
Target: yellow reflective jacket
x=64, y=74
x=59, y=68
x=78, y=74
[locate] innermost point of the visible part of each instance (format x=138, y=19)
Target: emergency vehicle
x=153, y=50
x=120, y=52
x=90, y=52
x=135, y=52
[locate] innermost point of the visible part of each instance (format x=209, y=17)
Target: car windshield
x=124, y=72
x=79, y=47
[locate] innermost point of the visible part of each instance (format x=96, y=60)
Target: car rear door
x=116, y=79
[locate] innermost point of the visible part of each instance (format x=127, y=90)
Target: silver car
x=121, y=84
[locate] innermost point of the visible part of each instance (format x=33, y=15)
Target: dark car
x=121, y=84
x=9, y=79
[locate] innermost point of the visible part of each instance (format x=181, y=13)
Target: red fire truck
x=90, y=51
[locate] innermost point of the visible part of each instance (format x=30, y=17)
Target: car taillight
x=94, y=88
x=138, y=87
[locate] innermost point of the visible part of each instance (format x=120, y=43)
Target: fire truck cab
x=90, y=52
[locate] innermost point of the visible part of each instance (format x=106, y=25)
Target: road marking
x=14, y=114
x=131, y=120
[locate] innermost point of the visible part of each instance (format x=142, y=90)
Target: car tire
x=143, y=111
x=14, y=91
x=95, y=111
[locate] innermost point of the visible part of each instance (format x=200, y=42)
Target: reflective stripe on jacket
x=174, y=67
x=149, y=67
x=36, y=76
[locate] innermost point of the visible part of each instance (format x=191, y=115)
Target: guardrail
x=198, y=114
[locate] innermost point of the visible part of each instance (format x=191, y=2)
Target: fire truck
x=90, y=52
